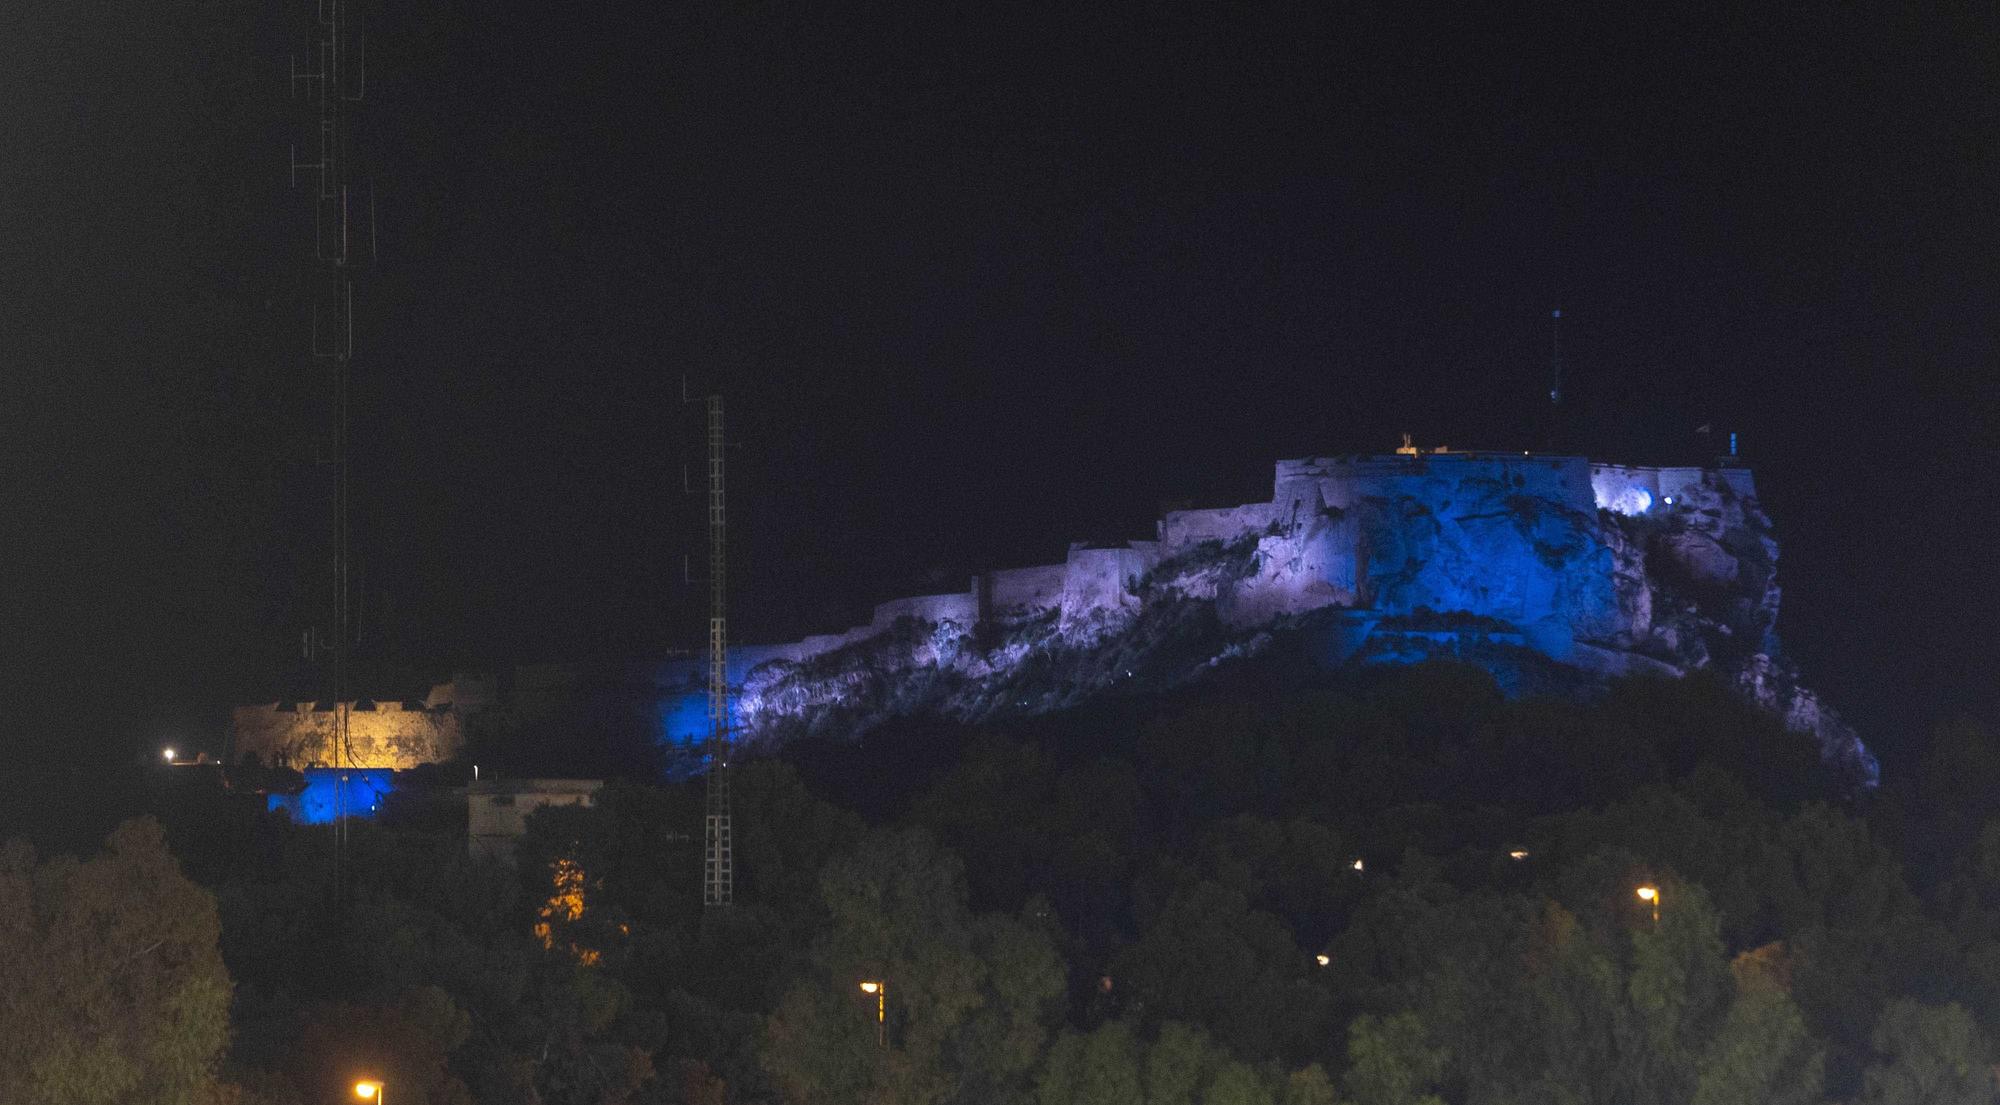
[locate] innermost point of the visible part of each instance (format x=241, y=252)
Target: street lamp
x=369, y=1091
x=1651, y=895
x=168, y=754
x=881, y=992
x=1322, y=959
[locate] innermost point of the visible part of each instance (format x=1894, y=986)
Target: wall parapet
x=386, y=734
x=1509, y=535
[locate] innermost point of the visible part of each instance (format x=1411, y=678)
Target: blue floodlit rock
x=1507, y=560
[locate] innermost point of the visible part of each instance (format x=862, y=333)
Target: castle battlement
x=383, y=733
x=1604, y=568
x=1519, y=540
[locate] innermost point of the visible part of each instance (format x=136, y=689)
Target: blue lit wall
x=684, y=719
x=683, y=704
x=355, y=791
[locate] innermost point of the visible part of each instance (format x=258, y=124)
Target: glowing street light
x=168, y=754
x=369, y=1091
x=1651, y=895
x=1322, y=959
x=1518, y=854
x=881, y=992
x=1358, y=865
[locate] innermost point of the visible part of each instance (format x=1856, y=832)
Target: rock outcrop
x=1537, y=567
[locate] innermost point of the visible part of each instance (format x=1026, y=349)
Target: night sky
x=976, y=282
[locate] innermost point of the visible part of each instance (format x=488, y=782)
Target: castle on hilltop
x=1500, y=558
x=1315, y=534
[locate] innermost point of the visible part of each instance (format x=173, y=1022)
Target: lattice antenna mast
x=343, y=241
x=718, y=882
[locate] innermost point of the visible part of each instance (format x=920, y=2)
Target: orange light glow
x=565, y=906
x=1651, y=896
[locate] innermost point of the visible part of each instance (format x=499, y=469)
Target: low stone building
x=496, y=810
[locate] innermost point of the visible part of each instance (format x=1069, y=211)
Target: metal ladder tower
x=718, y=880
x=342, y=243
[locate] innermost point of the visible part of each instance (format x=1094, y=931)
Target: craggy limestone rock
x=1524, y=564
x=1775, y=686
x=1554, y=573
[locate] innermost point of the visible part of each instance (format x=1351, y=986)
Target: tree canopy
x=1406, y=890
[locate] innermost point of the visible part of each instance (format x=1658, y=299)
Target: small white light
x=1358, y=866
x=1322, y=959
x=1670, y=500
x=168, y=753
x=1518, y=854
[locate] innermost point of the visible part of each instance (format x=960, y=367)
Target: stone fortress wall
x=1511, y=538
x=1625, y=489
x=398, y=735
x=1496, y=534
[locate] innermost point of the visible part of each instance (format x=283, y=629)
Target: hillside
x=1552, y=573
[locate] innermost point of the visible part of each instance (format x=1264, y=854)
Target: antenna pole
x=336, y=82
x=1555, y=378
x=718, y=863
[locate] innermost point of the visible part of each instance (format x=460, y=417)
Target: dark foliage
x=1129, y=903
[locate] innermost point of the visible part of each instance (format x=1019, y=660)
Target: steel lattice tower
x=718, y=881
x=343, y=241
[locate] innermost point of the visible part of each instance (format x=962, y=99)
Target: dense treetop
x=1399, y=890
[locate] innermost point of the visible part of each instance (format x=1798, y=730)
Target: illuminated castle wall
x=1395, y=554
x=1508, y=560
x=398, y=735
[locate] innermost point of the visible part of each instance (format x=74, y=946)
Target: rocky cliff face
x=1698, y=588
x=1547, y=571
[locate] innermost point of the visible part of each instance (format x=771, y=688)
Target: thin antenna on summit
x=1555, y=379
x=1556, y=357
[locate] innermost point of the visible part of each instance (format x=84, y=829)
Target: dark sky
x=976, y=281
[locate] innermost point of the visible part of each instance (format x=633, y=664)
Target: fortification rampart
x=1180, y=529
x=379, y=734
x=1342, y=482
x=1520, y=548
x=1018, y=592
x=1510, y=538
x=1631, y=489
x=961, y=608
x=1097, y=580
